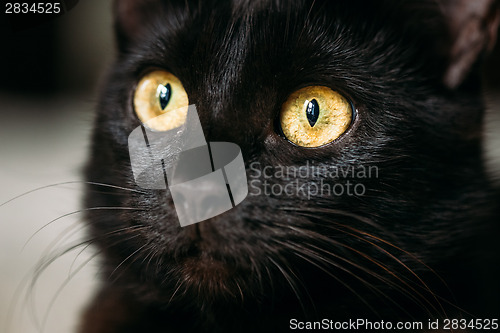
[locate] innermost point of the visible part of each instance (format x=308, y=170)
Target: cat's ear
x=130, y=18
x=473, y=27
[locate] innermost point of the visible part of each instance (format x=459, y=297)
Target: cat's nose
x=208, y=181
x=201, y=199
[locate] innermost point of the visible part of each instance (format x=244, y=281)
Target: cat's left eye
x=160, y=93
x=315, y=116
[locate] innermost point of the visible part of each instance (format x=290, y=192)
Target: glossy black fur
x=419, y=244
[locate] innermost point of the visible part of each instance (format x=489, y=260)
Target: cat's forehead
x=247, y=45
x=381, y=8
x=251, y=7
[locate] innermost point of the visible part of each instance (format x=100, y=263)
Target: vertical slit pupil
x=312, y=112
x=165, y=94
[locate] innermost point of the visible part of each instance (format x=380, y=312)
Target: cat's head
x=397, y=188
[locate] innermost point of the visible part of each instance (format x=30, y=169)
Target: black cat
x=416, y=241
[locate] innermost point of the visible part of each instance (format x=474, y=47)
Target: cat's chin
x=207, y=265
x=207, y=279
x=205, y=270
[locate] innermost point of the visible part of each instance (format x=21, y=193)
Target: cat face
x=411, y=145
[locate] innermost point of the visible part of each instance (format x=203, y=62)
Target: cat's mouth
x=209, y=257
x=210, y=273
x=206, y=269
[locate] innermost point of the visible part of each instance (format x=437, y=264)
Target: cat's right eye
x=160, y=93
x=314, y=116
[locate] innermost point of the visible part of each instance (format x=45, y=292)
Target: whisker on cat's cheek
x=357, y=234
x=77, y=212
x=315, y=250
x=69, y=183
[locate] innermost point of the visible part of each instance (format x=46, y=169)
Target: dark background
x=46, y=55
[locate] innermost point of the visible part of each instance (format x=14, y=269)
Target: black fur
x=419, y=244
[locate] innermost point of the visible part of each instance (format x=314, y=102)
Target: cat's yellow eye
x=160, y=93
x=315, y=116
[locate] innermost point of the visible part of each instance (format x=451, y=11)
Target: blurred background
x=49, y=76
